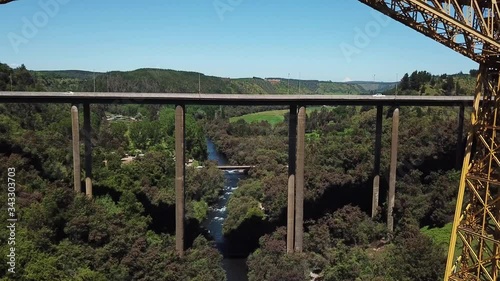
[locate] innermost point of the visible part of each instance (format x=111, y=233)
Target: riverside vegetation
x=125, y=232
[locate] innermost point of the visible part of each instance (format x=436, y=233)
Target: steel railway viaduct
x=297, y=105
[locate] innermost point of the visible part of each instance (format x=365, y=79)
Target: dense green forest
x=125, y=232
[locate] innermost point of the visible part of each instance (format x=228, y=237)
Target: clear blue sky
x=228, y=38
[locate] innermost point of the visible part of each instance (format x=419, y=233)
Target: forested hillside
x=374, y=87
x=161, y=80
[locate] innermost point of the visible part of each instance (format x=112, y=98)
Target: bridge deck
x=235, y=167
x=230, y=99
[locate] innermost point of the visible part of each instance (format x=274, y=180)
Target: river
x=233, y=264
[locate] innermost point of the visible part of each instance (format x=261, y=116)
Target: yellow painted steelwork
x=471, y=28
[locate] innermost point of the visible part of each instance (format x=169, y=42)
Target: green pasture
x=273, y=117
x=440, y=235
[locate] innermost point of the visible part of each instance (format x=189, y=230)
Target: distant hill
x=295, y=86
x=372, y=86
x=78, y=74
x=167, y=80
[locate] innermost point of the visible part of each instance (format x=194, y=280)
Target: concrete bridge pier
x=392, y=176
x=376, y=166
x=375, y=195
x=87, y=131
x=75, y=129
x=179, y=178
x=299, y=180
x=87, y=135
x=292, y=157
x=460, y=133
x=88, y=187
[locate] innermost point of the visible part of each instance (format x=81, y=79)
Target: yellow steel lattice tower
x=470, y=27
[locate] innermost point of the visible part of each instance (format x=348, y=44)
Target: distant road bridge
x=229, y=168
x=296, y=141
x=241, y=169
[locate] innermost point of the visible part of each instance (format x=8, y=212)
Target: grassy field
x=273, y=117
x=440, y=235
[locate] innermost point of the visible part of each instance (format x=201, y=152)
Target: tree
x=405, y=82
x=5, y=75
x=449, y=85
x=412, y=246
x=415, y=81
x=23, y=78
x=433, y=81
x=442, y=189
x=146, y=134
x=422, y=90
x=271, y=263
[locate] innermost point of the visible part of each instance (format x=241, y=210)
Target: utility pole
x=94, y=80
x=299, y=82
x=397, y=83
x=288, y=83
x=199, y=83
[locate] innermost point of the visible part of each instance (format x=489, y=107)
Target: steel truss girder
x=476, y=227
x=470, y=27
